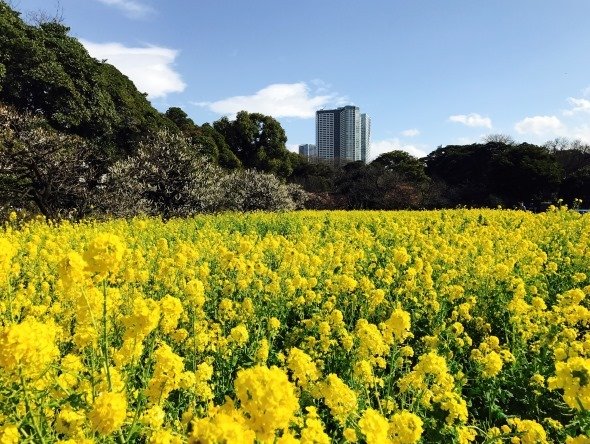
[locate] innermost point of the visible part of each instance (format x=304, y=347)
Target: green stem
x=105, y=344
x=193, y=319
x=28, y=407
x=138, y=409
x=10, y=301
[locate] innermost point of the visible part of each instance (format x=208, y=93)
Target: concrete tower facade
x=342, y=134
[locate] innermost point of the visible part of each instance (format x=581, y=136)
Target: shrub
x=250, y=190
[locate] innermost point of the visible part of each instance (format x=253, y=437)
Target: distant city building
x=365, y=137
x=309, y=151
x=343, y=135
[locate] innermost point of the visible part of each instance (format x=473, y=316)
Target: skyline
x=428, y=74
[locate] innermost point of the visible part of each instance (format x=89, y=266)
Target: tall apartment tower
x=309, y=151
x=365, y=137
x=341, y=134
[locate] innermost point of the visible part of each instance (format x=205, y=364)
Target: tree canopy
x=496, y=173
x=46, y=72
x=258, y=141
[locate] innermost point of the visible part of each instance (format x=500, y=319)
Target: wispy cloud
x=131, y=8
x=277, y=100
x=384, y=146
x=578, y=105
x=151, y=68
x=410, y=132
x=472, y=120
x=467, y=140
x=581, y=132
x=540, y=126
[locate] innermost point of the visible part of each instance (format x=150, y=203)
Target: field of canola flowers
x=313, y=327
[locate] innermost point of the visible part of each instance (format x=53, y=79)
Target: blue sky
x=428, y=72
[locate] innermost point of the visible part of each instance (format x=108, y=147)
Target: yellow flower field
x=314, y=327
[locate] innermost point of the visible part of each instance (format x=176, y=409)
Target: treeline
x=78, y=139
x=496, y=172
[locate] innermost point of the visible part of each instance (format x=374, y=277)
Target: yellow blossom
x=268, y=398
x=108, y=413
x=104, y=253
x=405, y=428
x=374, y=426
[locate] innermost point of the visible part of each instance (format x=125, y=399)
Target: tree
x=504, y=139
x=180, y=118
x=210, y=140
x=565, y=144
x=525, y=173
x=258, y=141
x=313, y=177
x=2, y=74
x=205, y=140
x=407, y=166
x=495, y=173
x=465, y=171
x=43, y=170
x=577, y=186
x=375, y=187
x=250, y=190
x=163, y=177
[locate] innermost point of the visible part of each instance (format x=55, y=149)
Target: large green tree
x=258, y=141
x=408, y=167
x=524, y=173
x=47, y=72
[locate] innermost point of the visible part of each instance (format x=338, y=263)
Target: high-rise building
x=342, y=134
x=309, y=151
x=365, y=137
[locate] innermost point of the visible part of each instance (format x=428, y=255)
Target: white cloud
x=411, y=132
x=473, y=119
x=577, y=106
x=581, y=132
x=150, y=68
x=540, y=125
x=384, y=146
x=277, y=100
x=468, y=140
x=132, y=8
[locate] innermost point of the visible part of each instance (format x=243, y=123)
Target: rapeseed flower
x=405, y=428
x=340, y=399
x=268, y=399
x=573, y=376
x=108, y=413
x=28, y=348
x=374, y=426
x=104, y=254
x=9, y=434
x=302, y=367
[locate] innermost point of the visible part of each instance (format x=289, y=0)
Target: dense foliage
x=49, y=73
x=404, y=327
x=74, y=128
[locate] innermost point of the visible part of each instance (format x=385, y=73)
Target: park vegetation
x=77, y=139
